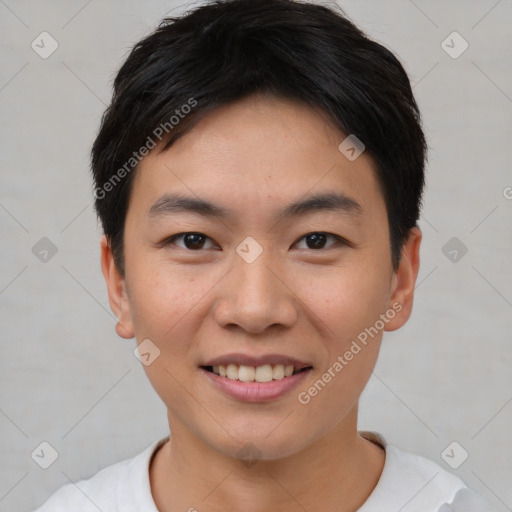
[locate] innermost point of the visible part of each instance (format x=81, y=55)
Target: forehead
x=256, y=155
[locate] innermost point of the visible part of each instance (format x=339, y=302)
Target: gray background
x=67, y=378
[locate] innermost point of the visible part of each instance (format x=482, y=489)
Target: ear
x=404, y=281
x=116, y=287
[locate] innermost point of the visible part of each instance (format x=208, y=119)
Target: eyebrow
x=329, y=201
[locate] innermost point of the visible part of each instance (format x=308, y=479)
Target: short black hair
x=225, y=50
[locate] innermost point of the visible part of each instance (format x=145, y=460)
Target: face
x=257, y=282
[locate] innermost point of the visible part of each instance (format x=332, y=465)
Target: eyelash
x=339, y=239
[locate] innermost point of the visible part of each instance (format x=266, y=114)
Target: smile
x=252, y=390
x=263, y=373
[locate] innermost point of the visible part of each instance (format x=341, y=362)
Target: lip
x=255, y=391
x=260, y=360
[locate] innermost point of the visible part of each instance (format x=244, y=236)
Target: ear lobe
x=116, y=288
x=124, y=331
x=404, y=281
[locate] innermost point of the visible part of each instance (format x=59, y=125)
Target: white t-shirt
x=409, y=483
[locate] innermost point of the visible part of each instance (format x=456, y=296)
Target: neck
x=337, y=472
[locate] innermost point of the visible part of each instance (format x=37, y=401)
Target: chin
x=264, y=440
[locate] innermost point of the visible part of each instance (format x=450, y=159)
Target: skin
x=255, y=156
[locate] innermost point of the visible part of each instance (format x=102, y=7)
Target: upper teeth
x=264, y=373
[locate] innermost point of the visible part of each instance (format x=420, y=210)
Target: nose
x=255, y=296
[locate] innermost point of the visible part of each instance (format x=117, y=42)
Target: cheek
x=162, y=296
x=348, y=304
x=346, y=299
x=164, y=301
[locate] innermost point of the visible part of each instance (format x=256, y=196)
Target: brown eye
x=318, y=239
x=191, y=241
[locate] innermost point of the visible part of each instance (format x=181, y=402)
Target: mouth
x=260, y=374
x=255, y=378
x=255, y=384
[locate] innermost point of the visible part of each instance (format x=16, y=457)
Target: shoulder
x=419, y=472
x=435, y=488
x=125, y=480
x=411, y=482
x=88, y=494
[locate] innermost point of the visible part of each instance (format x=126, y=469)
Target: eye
x=192, y=241
x=317, y=240
x=195, y=241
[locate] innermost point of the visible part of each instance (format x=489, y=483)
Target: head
x=223, y=121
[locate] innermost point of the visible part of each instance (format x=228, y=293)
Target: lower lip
x=256, y=391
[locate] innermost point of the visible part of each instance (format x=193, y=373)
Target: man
x=258, y=176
